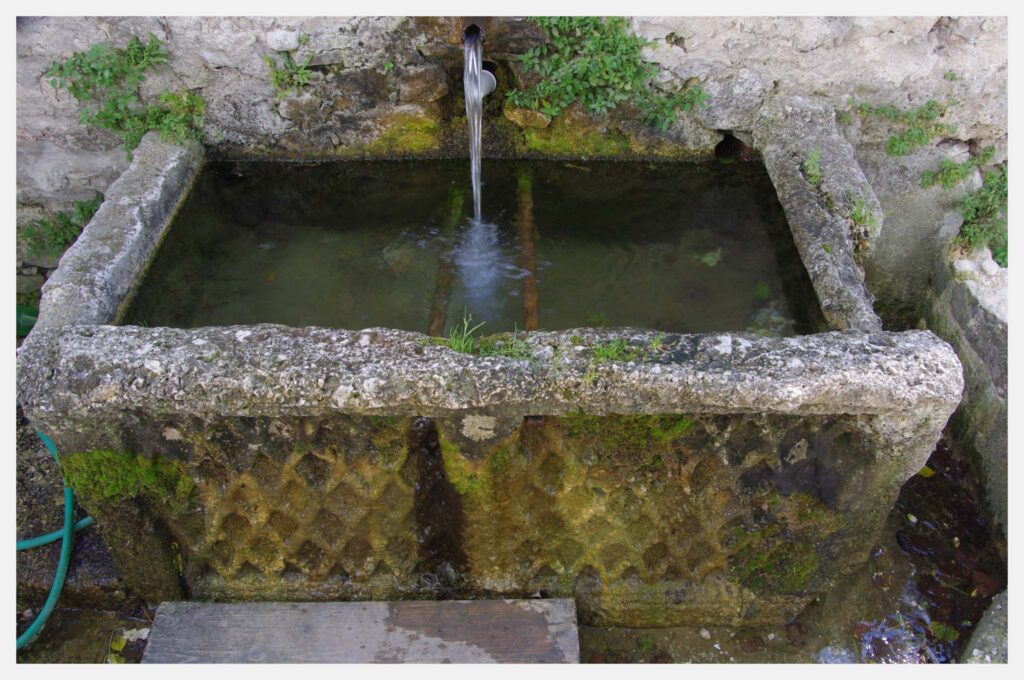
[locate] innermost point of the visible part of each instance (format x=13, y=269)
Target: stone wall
x=392, y=85
x=375, y=73
x=969, y=308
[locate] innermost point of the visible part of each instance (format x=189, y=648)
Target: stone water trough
x=719, y=479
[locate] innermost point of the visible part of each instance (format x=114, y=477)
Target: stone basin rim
x=273, y=370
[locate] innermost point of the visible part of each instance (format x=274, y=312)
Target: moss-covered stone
x=113, y=476
x=566, y=140
x=406, y=133
x=625, y=434
x=647, y=520
x=768, y=564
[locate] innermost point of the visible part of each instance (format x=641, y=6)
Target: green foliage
x=388, y=66
x=106, y=81
x=812, y=168
x=984, y=214
x=462, y=337
x=114, y=476
x=291, y=76
x=917, y=126
x=504, y=345
x=615, y=350
x=862, y=215
x=179, y=117
x=950, y=75
x=595, y=61
x=951, y=173
x=50, y=236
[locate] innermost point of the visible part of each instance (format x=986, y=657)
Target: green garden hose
x=66, y=535
x=37, y=541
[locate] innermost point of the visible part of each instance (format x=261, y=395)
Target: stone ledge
x=83, y=372
x=788, y=130
x=97, y=273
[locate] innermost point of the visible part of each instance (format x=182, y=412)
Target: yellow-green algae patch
x=566, y=140
x=403, y=133
x=114, y=476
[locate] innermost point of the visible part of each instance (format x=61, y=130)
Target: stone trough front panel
x=722, y=479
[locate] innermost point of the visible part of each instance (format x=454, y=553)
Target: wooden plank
x=452, y=631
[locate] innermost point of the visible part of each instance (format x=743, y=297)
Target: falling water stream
x=474, y=107
x=478, y=255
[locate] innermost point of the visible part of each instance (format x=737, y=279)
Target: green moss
x=112, y=476
x=407, y=133
x=477, y=479
x=767, y=565
x=804, y=514
x=628, y=433
x=404, y=133
x=563, y=139
x=462, y=473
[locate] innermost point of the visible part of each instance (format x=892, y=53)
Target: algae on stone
x=112, y=476
x=637, y=517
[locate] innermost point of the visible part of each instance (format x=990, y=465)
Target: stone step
x=451, y=631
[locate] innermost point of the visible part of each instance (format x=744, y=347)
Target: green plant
x=290, y=76
x=917, y=126
x=462, y=337
x=950, y=75
x=504, y=345
x=388, y=66
x=50, y=236
x=812, y=167
x=615, y=350
x=179, y=117
x=657, y=343
x=106, y=81
x=862, y=215
x=951, y=173
x=595, y=61
x=984, y=214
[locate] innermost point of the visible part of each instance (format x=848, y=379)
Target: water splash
x=473, y=55
x=485, y=268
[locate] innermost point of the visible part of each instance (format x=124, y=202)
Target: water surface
x=674, y=247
